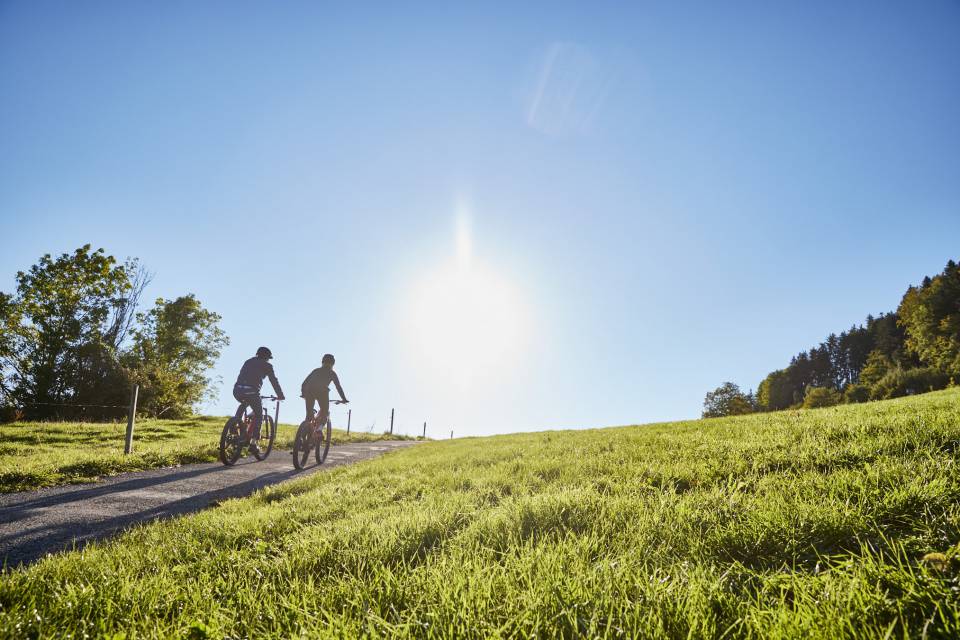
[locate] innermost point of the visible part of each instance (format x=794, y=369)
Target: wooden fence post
x=349, y=415
x=391, y=421
x=424, y=430
x=451, y=434
x=131, y=416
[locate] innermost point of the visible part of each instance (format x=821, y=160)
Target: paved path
x=33, y=523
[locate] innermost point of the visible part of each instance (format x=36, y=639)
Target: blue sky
x=499, y=218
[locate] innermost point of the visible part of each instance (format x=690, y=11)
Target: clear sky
x=501, y=217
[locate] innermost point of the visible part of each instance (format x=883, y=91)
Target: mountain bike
x=313, y=434
x=237, y=433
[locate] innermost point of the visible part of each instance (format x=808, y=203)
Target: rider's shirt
x=252, y=374
x=317, y=384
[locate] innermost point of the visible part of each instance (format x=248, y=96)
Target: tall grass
x=810, y=524
x=42, y=454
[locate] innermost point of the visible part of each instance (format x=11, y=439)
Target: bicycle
x=312, y=435
x=240, y=428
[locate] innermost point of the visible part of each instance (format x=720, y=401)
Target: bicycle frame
x=248, y=417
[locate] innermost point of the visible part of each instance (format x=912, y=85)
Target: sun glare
x=467, y=321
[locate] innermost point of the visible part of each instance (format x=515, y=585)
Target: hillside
x=792, y=524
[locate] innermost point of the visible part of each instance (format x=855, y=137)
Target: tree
x=930, y=315
x=62, y=330
x=775, y=392
x=821, y=397
x=877, y=366
x=177, y=342
x=726, y=400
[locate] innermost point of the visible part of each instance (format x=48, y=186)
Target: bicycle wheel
x=268, y=433
x=302, y=444
x=323, y=446
x=230, y=448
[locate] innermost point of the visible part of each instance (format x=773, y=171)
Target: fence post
x=349, y=415
x=131, y=415
x=451, y=434
x=391, y=421
x=424, y=430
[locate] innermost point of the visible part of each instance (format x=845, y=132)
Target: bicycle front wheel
x=268, y=433
x=302, y=444
x=323, y=445
x=230, y=448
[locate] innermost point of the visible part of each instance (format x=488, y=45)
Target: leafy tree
x=177, y=342
x=62, y=331
x=726, y=400
x=856, y=393
x=877, y=366
x=71, y=336
x=930, y=315
x=821, y=397
x=775, y=392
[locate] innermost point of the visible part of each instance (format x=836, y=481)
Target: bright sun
x=466, y=321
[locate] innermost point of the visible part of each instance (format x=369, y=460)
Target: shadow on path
x=33, y=524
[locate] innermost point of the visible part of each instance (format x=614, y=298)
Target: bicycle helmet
x=328, y=357
x=263, y=352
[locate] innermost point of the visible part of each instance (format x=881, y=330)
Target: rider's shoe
x=254, y=448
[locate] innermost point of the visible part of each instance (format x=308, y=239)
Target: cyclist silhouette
x=247, y=388
x=316, y=388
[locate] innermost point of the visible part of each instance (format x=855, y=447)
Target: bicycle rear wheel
x=302, y=444
x=268, y=433
x=323, y=446
x=230, y=448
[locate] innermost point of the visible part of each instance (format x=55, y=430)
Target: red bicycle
x=313, y=434
x=237, y=433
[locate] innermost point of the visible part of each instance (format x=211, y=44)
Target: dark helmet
x=328, y=358
x=263, y=352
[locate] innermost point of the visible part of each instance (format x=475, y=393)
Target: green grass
x=43, y=454
x=803, y=524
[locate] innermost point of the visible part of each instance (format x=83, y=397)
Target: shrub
x=820, y=397
x=856, y=393
x=907, y=382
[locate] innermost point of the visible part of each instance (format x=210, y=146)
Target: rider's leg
x=257, y=405
x=324, y=402
x=240, y=396
x=308, y=401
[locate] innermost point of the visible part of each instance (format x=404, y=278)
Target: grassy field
x=813, y=524
x=42, y=454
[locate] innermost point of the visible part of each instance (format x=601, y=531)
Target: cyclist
x=316, y=388
x=247, y=389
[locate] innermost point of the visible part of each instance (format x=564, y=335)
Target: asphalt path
x=35, y=523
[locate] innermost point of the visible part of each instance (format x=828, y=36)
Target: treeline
x=72, y=342
x=911, y=350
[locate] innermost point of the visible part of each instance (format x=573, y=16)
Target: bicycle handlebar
x=270, y=398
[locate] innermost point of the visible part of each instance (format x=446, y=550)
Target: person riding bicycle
x=247, y=388
x=316, y=388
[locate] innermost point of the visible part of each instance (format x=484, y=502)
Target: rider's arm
x=274, y=382
x=336, y=381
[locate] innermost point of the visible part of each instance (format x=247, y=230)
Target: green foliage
x=814, y=524
x=64, y=342
x=821, y=397
x=43, y=454
x=931, y=316
x=62, y=330
x=873, y=360
x=856, y=393
x=177, y=342
x=900, y=382
x=878, y=365
x=776, y=392
x=727, y=400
